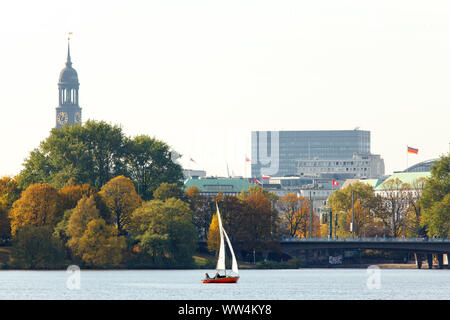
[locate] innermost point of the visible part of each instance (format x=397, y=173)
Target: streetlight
x=310, y=215
x=353, y=217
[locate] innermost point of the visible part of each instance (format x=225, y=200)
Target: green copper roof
x=372, y=182
x=406, y=177
x=215, y=185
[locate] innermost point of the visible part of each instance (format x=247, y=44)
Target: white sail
x=221, y=259
x=234, y=266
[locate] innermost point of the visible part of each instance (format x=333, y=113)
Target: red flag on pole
x=258, y=182
x=335, y=183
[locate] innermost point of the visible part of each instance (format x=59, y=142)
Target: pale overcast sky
x=201, y=75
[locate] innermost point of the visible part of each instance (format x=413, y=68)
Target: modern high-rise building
x=68, y=111
x=277, y=153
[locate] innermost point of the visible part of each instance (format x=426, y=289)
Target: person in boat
x=207, y=275
x=218, y=276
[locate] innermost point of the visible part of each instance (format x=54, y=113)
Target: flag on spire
x=413, y=150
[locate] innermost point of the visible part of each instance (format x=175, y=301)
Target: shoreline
x=345, y=266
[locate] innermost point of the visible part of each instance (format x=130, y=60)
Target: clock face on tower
x=62, y=118
x=77, y=117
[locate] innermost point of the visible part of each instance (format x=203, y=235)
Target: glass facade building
x=275, y=153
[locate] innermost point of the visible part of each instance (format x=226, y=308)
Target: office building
x=276, y=153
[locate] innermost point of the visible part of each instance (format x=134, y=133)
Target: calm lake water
x=301, y=284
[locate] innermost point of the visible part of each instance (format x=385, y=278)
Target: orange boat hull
x=221, y=280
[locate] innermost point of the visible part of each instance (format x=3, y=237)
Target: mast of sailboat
x=221, y=265
x=221, y=260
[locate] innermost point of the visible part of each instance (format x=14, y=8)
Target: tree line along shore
x=91, y=196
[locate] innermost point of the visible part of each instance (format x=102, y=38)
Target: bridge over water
x=421, y=247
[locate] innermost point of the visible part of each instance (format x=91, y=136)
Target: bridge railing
x=375, y=239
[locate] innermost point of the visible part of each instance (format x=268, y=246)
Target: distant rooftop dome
x=68, y=75
x=424, y=166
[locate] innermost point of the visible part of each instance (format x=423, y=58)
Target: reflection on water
x=301, y=284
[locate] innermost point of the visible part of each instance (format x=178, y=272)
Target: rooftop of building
x=421, y=166
x=218, y=184
x=405, y=177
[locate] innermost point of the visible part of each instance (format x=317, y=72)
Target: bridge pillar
x=440, y=258
x=430, y=260
x=418, y=258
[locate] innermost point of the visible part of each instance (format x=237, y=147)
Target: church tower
x=68, y=111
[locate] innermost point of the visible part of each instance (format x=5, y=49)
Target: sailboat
x=233, y=278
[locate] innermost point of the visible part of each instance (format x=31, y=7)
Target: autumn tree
x=435, y=200
x=213, y=242
x=38, y=206
x=80, y=216
x=233, y=211
x=395, y=206
x=100, y=245
x=72, y=193
x=202, y=209
x=259, y=224
x=121, y=199
x=90, y=238
x=414, y=211
x=369, y=216
x=295, y=214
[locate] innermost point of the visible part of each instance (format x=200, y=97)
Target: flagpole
x=406, y=157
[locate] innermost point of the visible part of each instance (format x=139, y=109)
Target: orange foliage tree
x=121, y=198
x=38, y=206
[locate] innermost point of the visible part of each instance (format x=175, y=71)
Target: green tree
x=435, y=200
x=9, y=193
x=92, y=153
x=149, y=162
x=164, y=231
x=168, y=190
x=35, y=247
x=5, y=226
x=96, y=152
